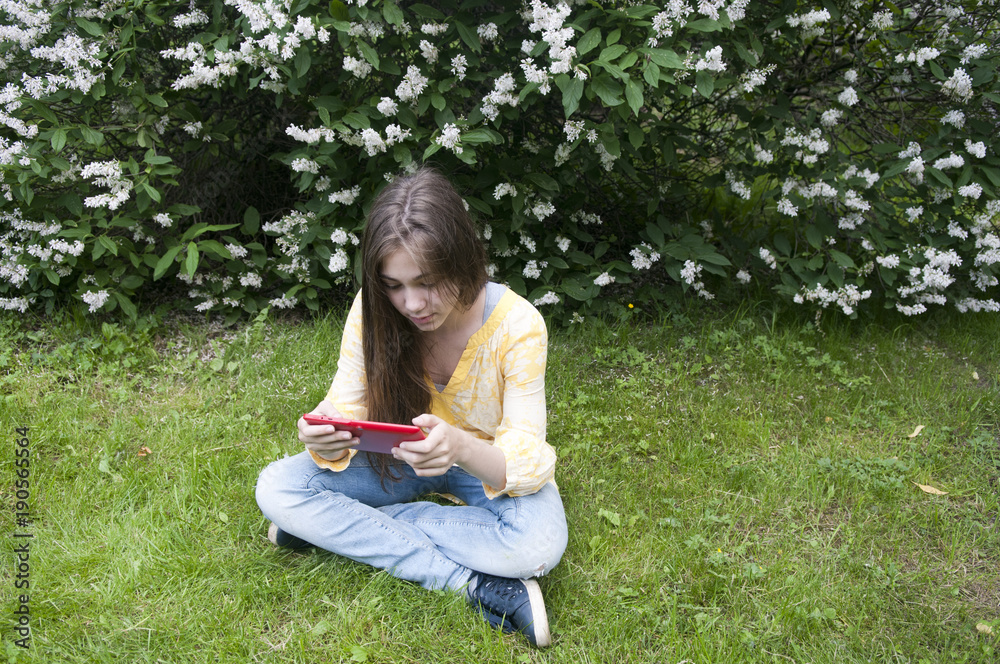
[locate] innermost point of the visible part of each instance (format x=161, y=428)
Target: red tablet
x=378, y=437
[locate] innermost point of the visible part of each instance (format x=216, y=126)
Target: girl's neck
x=461, y=323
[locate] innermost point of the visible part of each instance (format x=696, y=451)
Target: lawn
x=741, y=486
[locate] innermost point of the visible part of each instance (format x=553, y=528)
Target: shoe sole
x=543, y=637
x=272, y=534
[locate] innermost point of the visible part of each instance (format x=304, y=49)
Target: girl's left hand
x=440, y=450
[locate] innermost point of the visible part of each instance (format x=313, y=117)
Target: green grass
x=740, y=487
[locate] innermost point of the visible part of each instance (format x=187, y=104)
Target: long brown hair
x=423, y=215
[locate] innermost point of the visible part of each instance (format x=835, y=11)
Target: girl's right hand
x=323, y=439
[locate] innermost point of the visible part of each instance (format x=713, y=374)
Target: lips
x=422, y=321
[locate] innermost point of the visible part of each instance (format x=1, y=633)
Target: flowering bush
x=841, y=151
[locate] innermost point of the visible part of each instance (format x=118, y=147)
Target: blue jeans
x=436, y=546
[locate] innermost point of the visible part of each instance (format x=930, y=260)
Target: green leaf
x=608, y=90
x=392, y=13
x=166, y=261
x=93, y=29
x=126, y=305
x=157, y=100
x=704, y=83
x=940, y=177
x=842, y=259
x=814, y=237
x=427, y=12
x=431, y=149
x=91, y=136
x=557, y=263
x=108, y=244
x=704, y=25
x=612, y=53
x=152, y=192
x=580, y=287
x=251, y=220
x=589, y=41
x=470, y=38
x=651, y=74
x=745, y=55
x=58, y=139
x=664, y=57
x=357, y=121
x=481, y=135
x=369, y=53
x=572, y=89
x=131, y=282
x=303, y=61
x=633, y=93
x=191, y=263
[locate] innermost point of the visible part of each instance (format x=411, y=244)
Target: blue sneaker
x=512, y=605
x=279, y=537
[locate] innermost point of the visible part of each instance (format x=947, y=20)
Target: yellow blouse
x=496, y=394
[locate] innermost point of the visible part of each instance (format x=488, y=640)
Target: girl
x=429, y=341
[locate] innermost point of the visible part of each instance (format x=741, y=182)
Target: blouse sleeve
x=347, y=392
x=521, y=434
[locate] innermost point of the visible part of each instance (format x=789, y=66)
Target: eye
x=391, y=287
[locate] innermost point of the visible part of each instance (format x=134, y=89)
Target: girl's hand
x=443, y=447
x=446, y=446
x=324, y=439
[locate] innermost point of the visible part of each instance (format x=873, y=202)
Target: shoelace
x=504, y=589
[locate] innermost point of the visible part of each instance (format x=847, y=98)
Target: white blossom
x=373, y=142
x=429, y=51
x=358, y=67
x=339, y=261
x=303, y=165
x=951, y=161
x=387, y=106
x=765, y=255
x=548, y=298
x=251, y=280
x=881, y=20
x=830, y=117
x=435, y=29
x=604, y=279
x=737, y=187
x=786, y=207
x=712, y=61
x=345, y=196
x=96, y=300
x=762, y=155
x=487, y=31
x=848, y=97
x=973, y=190
x=449, y=138
x=977, y=149
x=954, y=118
x=959, y=86
x=643, y=257
x=973, y=52
x=412, y=85
x=504, y=189
x=458, y=66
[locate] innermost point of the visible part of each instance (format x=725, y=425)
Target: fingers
x=325, y=439
x=427, y=421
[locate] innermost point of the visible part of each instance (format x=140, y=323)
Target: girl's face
x=415, y=296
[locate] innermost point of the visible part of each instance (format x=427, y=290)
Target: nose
x=414, y=300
